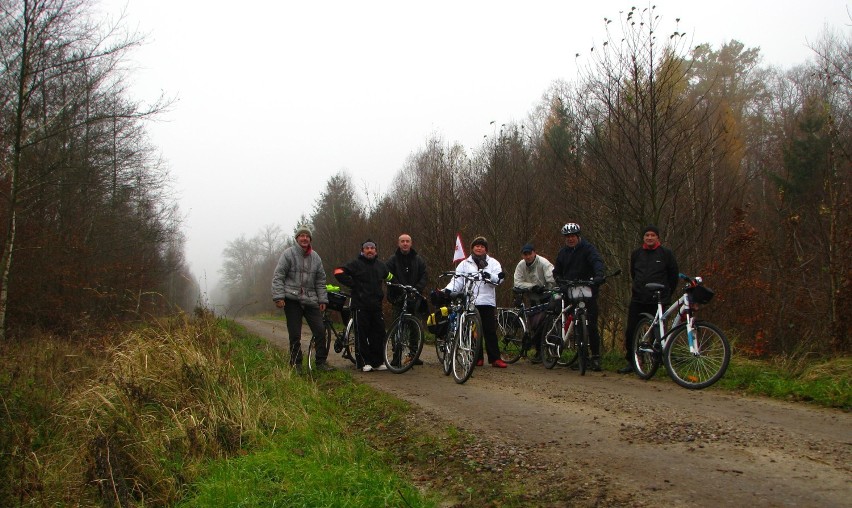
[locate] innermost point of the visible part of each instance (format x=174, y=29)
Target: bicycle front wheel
x=349, y=340
x=511, y=332
x=581, y=333
x=466, y=347
x=403, y=344
x=312, y=348
x=702, y=364
x=646, y=356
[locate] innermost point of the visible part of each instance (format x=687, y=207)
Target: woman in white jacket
x=486, y=295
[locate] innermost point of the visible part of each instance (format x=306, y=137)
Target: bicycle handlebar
x=409, y=290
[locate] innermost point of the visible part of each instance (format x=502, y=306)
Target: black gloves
x=537, y=289
x=598, y=280
x=486, y=276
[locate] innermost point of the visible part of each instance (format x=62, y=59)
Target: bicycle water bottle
x=451, y=323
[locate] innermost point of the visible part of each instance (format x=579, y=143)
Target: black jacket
x=364, y=276
x=583, y=262
x=658, y=265
x=408, y=269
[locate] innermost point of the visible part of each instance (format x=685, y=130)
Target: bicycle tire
x=312, y=349
x=512, y=332
x=466, y=348
x=551, y=343
x=449, y=351
x=398, y=351
x=582, y=335
x=569, y=351
x=349, y=340
x=697, y=371
x=646, y=357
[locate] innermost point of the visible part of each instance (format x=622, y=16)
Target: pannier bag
x=336, y=301
x=700, y=294
x=437, y=321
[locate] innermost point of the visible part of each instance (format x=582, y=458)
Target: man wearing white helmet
x=580, y=260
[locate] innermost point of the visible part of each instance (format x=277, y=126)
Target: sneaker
x=381, y=366
x=367, y=368
x=627, y=369
x=338, y=346
x=479, y=363
x=324, y=367
x=500, y=364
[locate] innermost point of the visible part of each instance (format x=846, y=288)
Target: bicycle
x=567, y=338
x=696, y=353
x=442, y=323
x=466, y=330
x=514, y=329
x=404, y=340
x=343, y=341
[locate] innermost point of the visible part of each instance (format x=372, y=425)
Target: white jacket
x=485, y=293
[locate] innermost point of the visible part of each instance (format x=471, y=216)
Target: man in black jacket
x=649, y=263
x=408, y=268
x=365, y=275
x=580, y=260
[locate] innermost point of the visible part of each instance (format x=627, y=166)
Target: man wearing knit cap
x=649, y=263
x=365, y=275
x=298, y=287
x=486, y=295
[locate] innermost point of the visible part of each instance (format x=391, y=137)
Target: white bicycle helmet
x=572, y=228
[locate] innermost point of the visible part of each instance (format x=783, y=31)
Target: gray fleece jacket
x=299, y=277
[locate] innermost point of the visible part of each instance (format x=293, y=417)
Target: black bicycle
x=515, y=332
x=344, y=340
x=404, y=340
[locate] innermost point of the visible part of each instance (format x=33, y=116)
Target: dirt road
x=639, y=442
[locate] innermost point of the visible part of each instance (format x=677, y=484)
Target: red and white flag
x=459, y=254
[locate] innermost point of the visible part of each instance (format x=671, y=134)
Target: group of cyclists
x=299, y=287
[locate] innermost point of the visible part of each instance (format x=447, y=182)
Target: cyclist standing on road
x=298, y=287
x=535, y=274
x=649, y=263
x=409, y=268
x=486, y=295
x=365, y=275
x=580, y=260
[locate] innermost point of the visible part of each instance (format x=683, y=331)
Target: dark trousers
x=369, y=337
x=634, y=313
x=594, y=335
x=488, y=316
x=294, y=311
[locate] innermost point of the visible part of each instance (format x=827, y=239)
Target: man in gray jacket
x=298, y=287
x=534, y=274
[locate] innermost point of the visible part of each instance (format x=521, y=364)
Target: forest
x=89, y=226
x=745, y=169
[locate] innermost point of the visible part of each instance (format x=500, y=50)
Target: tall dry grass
x=129, y=419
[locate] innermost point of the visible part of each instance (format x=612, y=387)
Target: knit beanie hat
x=651, y=227
x=479, y=240
x=303, y=230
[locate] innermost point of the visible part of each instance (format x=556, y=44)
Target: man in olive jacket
x=298, y=287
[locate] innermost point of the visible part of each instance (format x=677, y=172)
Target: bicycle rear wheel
x=646, y=356
x=349, y=340
x=466, y=348
x=403, y=344
x=551, y=343
x=511, y=332
x=701, y=366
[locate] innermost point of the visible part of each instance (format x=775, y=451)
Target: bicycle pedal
x=338, y=347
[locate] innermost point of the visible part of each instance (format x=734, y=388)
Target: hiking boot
x=627, y=369
x=536, y=357
x=324, y=367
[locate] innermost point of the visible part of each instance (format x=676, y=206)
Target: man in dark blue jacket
x=649, y=263
x=408, y=268
x=580, y=260
x=365, y=275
